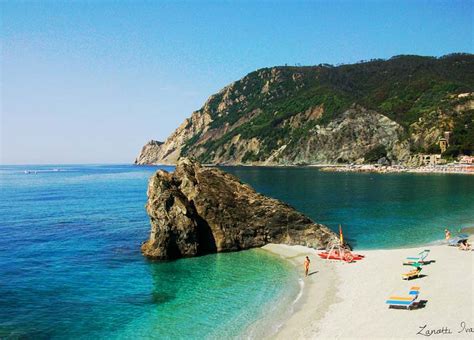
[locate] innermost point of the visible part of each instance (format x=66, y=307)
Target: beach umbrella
x=341, y=237
x=455, y=240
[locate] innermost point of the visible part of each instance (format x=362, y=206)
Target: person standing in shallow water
x=306, y=265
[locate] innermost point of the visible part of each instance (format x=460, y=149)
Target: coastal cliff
x=377, y=111
x=197, y=210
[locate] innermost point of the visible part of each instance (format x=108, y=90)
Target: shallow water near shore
x=71, y=267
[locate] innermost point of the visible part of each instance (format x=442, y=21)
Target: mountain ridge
x=386, y=110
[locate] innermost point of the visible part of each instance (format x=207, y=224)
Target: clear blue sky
x=92, y=81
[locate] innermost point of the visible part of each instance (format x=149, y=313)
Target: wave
x=300, y=293
x=291, y=310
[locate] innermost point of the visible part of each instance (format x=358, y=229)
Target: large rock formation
x=198, y=210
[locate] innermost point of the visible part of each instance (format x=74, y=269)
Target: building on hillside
x=466, y=159
x=429, y=159
x=444, y=141
x=443, y=144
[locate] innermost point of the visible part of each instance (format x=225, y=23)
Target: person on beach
x=306, y=265
x=447, y=234
x=464, y=245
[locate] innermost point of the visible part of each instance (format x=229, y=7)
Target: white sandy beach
x=342, y=300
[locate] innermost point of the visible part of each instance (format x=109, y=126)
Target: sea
x=71, y=267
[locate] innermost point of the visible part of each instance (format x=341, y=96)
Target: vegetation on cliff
x=289, y=115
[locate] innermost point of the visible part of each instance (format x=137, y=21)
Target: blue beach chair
x=418, y=259
x=404, y=302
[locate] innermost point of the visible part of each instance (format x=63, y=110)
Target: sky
x=92, y=81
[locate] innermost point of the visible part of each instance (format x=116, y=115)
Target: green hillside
x=284, y=110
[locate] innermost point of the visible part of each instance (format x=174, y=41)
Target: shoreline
x=458, y=169
x=334, y=290
x=318, y=294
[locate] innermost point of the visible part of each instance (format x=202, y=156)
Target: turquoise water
x=70, y=264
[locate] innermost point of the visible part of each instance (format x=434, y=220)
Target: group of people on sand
x=463, y=244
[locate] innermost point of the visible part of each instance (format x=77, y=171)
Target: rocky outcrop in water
x=197, y=210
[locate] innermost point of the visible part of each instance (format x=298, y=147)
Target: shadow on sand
x=417, y=277
x=423, y=263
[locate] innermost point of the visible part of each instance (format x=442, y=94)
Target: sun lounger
x=404, y=302
x=418, y=259
x=412, y=273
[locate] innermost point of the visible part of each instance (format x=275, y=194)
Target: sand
x=347, y=300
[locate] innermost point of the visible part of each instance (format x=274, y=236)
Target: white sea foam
x=291, y=310
x=36, y=171
x=300, y=293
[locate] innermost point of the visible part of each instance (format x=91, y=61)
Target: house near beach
x=429, y=159
x=466, y=159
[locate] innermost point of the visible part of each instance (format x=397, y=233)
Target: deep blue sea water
x=70, y=265
x=375, y=210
